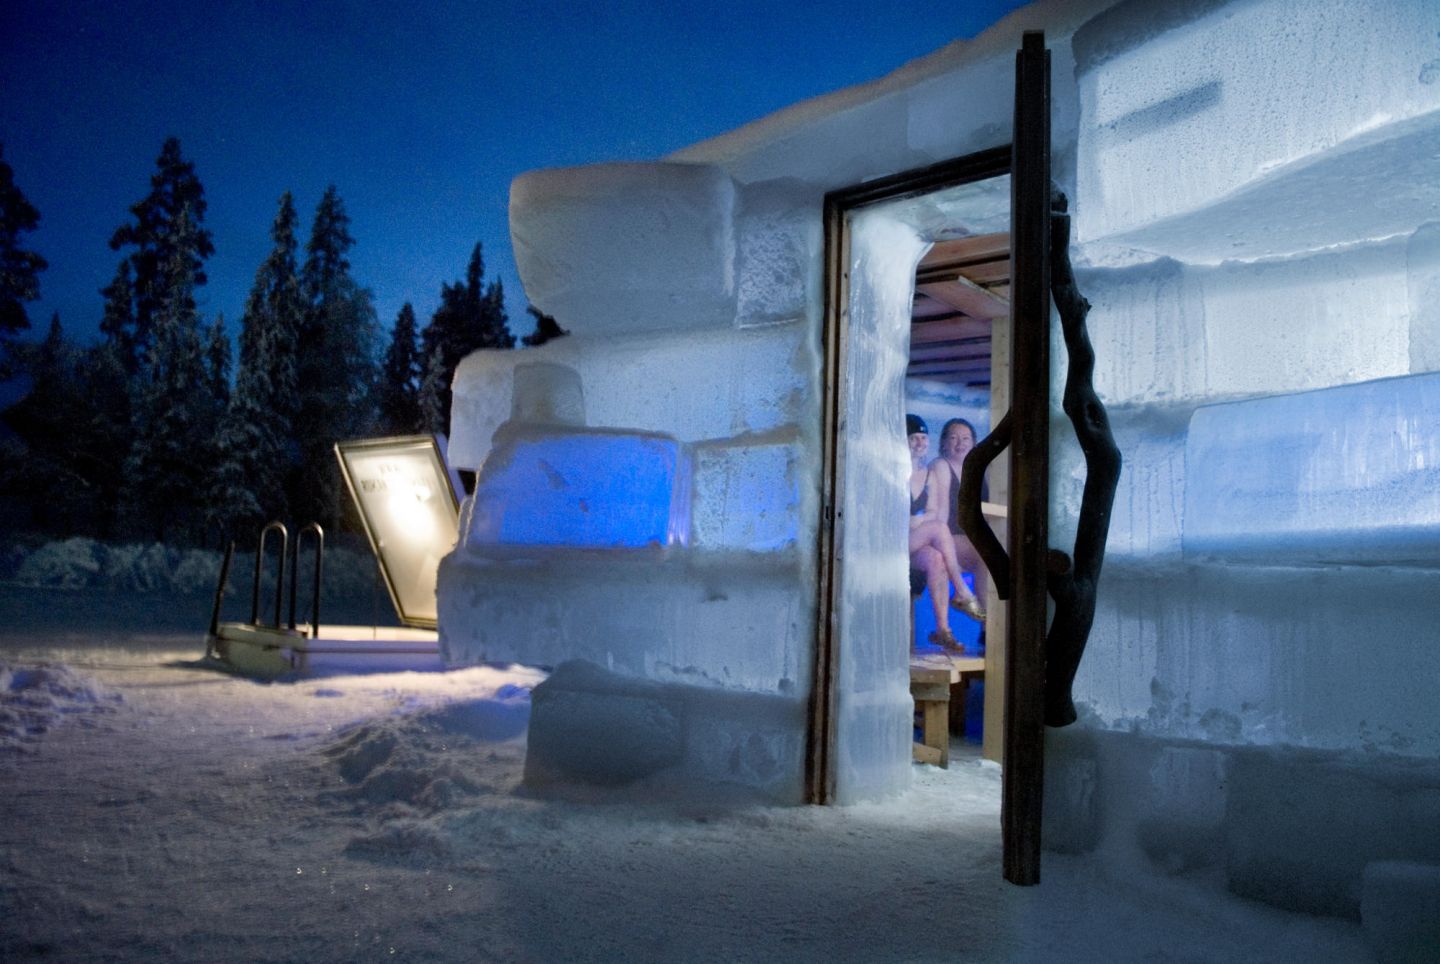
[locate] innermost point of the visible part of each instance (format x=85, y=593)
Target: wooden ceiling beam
x=949, y=352
x=979, y=247
x=948, y=368
x=925, y=306
x=962, y=294
x=954, y=329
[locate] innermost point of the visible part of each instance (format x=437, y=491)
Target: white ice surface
x=169, y=812
x=1279, y=84
x=1345, y=475
x=694, y=385
x=627, y=247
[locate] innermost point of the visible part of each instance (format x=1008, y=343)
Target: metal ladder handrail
x=319, y=534
x=276, y=526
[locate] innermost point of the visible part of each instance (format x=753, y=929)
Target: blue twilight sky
x=420, y=113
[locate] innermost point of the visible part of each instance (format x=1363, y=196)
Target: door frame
x=1027, y=160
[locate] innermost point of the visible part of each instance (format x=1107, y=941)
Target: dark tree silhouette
x=19, y=268
x=471, y=316
x=174, y=188
x=400, y=375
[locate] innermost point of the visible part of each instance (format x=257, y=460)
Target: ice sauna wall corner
x=644, y=510
x=693, y=293
x=1258, y=197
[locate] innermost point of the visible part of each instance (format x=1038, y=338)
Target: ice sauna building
x=663, y=496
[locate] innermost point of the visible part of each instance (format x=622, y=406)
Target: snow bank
x=35, y=699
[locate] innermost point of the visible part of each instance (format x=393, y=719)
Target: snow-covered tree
x=162, y=495
x=217, y=363
x=431, y=400
x=117, y=324
x=99, y=435
x=256, y=441
x=471, y=315
x=400, y=373
x=62, y=467
x=337, y=363
x=174, y=187
x=19, y=268
x=35, y=476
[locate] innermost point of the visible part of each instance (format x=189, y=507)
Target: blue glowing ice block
x=583, y=488
x=1340, y=475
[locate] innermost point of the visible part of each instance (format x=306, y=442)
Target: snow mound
x=408, y=775
x=34, y=699
x=426, y=762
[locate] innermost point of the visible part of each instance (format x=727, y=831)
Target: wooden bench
x=938, y=682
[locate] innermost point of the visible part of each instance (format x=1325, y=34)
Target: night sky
x=420, y=113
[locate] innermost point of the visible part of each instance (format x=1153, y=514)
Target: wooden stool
x=930, y=689
x=934, y=677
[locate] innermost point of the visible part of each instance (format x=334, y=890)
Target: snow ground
x=155, y=808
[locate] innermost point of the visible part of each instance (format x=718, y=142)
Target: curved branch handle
x=1073, y=586
x=972, y=519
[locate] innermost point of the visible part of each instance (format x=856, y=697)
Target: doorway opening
x=898, y=252
x=859, y=708
x=956, y=389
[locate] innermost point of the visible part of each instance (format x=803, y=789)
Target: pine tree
x=471, y=316
x=337, y=363
x=19, y=269
x=431, y=400
x=546, y=328
x=217, y=364
x=118, y=322
x=162, y=494
x=174, y=187
x=256, y=441
x=100, y=436
x=400, y=375
x=40, y=479
x=73, y=425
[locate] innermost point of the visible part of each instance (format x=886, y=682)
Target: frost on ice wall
x=1257, y=195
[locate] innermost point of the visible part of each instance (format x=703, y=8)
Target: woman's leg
x=970, y=559
x=928, y=560
x=936, y=536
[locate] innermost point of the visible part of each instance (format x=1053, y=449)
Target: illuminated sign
x=408, y=506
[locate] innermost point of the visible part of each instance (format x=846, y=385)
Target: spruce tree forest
x=162, y=430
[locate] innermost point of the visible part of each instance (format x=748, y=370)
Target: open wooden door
x=1029, y=507
x=1027, y=161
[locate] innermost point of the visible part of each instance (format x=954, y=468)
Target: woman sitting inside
x=934, y=549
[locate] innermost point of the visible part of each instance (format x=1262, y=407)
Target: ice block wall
x=665, y=256
x=1342, y=475
x=1256, y=202
x=874, y=707
x=1224, y=107
x=640, y=510
x=1318, y=455
x=577, y=488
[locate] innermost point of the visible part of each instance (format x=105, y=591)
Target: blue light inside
x=583, y=489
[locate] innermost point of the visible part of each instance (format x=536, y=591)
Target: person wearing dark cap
x=932, y=546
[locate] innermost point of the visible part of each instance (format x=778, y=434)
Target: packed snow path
x=157, y=809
